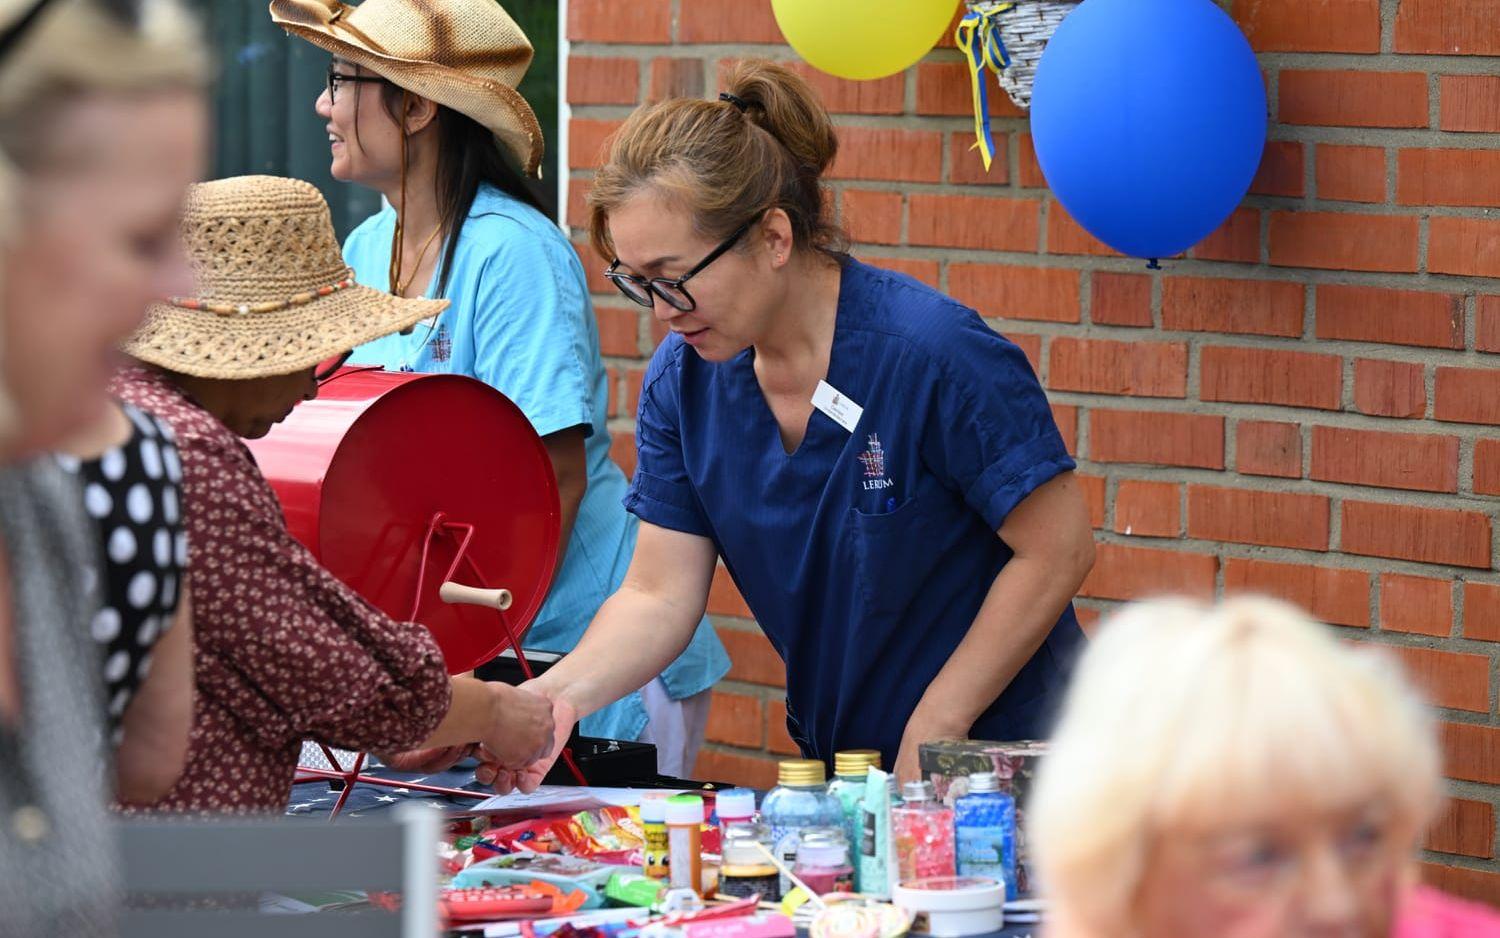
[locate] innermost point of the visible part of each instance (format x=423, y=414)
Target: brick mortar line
x=1493, y=677
x=1226, y=551
x=1266, y=204
x=1310, y=343
x=750, y=689
x=1460, y=862
x=1276, y=485
x=1388, y=11
x=1191, y=267
x=1434, y=104
x=1397, y=640
x=1378, y=63
x=1420, y=138
x=1235, y=411
x=1341, y=420
x=1474, y=791
x=1174, y=269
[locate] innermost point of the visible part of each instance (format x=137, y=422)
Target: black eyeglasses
x=336, y=78
x=642, y=290
x=331, y=367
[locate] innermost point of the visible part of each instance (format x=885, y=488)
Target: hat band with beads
x=246, y=309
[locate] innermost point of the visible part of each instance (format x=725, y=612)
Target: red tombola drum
x=384, y=467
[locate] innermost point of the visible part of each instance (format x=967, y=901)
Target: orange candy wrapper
x=606, y=835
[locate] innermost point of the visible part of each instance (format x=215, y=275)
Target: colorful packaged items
x=609, y=835
x=568, y=874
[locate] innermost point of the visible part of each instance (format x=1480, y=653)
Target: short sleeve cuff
x=556, y=419
x=1007, y=483
x=665, y=504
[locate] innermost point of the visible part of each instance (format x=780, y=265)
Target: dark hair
x=764, y=145
x=467, y=156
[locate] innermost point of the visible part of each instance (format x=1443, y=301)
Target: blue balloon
x=1149, y=118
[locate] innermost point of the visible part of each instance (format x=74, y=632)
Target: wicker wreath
x=1024, y=28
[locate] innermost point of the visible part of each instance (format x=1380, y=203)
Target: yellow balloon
x=863, y=38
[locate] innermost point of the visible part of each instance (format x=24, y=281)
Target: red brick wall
x=1304, y=406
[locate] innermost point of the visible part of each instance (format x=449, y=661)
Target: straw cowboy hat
x=274, y=293
x=468, y=55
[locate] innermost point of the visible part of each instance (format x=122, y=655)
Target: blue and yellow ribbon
x=978, y=35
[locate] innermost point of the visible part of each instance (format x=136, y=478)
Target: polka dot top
x=132, y=494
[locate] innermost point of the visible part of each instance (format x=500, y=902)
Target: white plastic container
x=953, y=906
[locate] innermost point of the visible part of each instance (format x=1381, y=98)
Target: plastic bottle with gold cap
x=800, y=800
x=848, y=786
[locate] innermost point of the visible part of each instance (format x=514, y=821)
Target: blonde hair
x=76, y=49
x=727, y=166
x=1182, y=714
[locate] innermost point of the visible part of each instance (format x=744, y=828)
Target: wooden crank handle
x=451, y=592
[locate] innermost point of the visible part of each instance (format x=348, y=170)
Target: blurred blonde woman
x=103, y=118
x=1235, y=772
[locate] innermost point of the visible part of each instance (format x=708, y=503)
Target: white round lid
x=950, y=893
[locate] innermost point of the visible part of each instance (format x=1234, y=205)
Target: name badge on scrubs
x=838, y=407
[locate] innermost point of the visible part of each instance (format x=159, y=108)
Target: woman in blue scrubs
x=878, y=469
x=439, y=130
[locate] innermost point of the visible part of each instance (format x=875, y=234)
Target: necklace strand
x=401, y=288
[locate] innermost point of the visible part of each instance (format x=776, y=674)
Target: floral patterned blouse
x=283, y=650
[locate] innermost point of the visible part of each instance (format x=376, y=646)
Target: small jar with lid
x=823, y=861
x=746, y=870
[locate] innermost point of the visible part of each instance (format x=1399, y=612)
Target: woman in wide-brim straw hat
x=284, y=650
x=421, y=105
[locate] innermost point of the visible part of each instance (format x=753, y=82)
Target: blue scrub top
x=864, y=556
x=521, y=322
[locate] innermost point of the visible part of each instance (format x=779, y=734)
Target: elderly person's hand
x=1236, y=772
x=523, y=733
x=527, y=777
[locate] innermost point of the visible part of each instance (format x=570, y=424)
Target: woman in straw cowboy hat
x=421, y=105
x=102, y=127
x=285, y=651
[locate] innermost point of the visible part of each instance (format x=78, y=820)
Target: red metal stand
x=499, y=601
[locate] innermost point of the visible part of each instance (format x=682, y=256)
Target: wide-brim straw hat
x=468, y=55
x=274, y=294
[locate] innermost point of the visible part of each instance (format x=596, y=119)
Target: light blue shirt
x=521, y=322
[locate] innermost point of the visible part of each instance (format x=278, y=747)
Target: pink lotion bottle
x=922, y=828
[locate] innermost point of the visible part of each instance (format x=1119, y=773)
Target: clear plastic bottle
x=848, y=786
x=985, y=823
x=823, y=861
x=800, y=800
x=923, y=830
